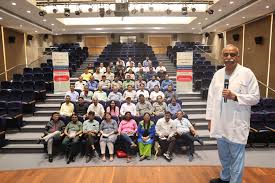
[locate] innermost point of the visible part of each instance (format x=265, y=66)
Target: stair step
x=54, y=101
x=23, y=138
x=23, y=148
x=44, y=113
x=33, y=128
x=189, y=99
x=194, y=110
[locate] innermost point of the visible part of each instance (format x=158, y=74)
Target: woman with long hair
x=146, y=133
x=113, y=109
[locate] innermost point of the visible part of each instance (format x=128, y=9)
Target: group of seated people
x=135, y=135
x=104, y=108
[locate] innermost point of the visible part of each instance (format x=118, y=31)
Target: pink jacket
x=127, y=126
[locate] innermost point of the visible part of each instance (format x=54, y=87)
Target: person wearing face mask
x=232, y=92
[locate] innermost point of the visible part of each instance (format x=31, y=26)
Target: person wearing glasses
x=232, y=92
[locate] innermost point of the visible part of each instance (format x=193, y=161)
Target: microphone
x=226, y=83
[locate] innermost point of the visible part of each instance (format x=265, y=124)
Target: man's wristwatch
x=236, y=98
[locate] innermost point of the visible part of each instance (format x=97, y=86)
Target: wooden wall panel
x=2, y=67
x=95, y=44
x=15, y=52
x=256, y=55
x=159, y=43
x=230, y=40
x=272, y=65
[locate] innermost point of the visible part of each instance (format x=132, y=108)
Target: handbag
x=121, y=154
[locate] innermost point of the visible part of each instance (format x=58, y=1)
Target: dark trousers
x=90, y=138
x=188, y=139
x=127, y=141
x=167, y=145
x=70, y=145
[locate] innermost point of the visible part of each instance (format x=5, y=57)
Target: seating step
x=23, y=138
x=194, y=110
x=189, y=99
x=33, y=128
x=23, y=148
x=44, y=113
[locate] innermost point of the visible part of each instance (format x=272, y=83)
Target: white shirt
x=97, y=76
x=151, y=84
x=183, y=125
x=80, y=85
x=102, y=70
x=132, y=94
x=110, y=76
x=129, y=62
x=154, y=95
x=160, y=68
x=125, y=108
x=98, y=109
x=144, y=92
x=164, y=128
x=232, y=119
x=74, y=95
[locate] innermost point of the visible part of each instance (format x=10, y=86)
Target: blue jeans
x=126, y=138
x=232, y=159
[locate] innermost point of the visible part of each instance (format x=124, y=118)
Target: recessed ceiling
x=233, y=13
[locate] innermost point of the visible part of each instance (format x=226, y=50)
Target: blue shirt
x=174, y=109
x=93, y=85
x=165, y=83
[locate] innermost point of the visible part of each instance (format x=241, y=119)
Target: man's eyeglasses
x=231, y=54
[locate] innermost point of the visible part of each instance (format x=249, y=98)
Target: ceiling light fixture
x=227, y=24
x=168, y=11
x=42, y=13
x=14, y=4
x=184, y=11
x=1, y=18
x=101, y=12
x=267, y=7
x=199, y=23
x=90, y=9
x=28, y=11
x=194, y=9
x=55, y=10
x=77, y=12
x=44, y=20
x=141, y=10
x=35, y=31
x=52, y=24
x=243, y=17
x=231, y=2
x=134, y=11
x=109, y=12
x=220, y=10
x=210, y=11
x=21, y=25
x=67, y=12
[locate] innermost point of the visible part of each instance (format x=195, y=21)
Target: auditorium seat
x=14, y=116
x=28, y=101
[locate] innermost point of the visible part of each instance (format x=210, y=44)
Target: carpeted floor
x=255, y=157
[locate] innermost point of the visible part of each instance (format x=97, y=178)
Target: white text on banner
x=184, y=72
x=61, y=75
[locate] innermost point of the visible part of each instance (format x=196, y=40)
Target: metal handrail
x=24, y=65
x=266, y=86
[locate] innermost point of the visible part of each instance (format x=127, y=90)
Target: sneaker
x=167, y=156
x=199, y=140
x=50, y=158
x=190, y=157
x=88, y=158
x=218, y=180
x=142, y=158
x=95, y=153
x=133, y=145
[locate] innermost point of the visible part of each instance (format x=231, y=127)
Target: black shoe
x=199, y=140
x=73, y=159
x=68, y=160
x=39, y=141
x=190, y=157
x=218, y=180
x=88, y=158
x=50, y=158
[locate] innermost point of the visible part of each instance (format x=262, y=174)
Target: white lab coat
x=232, y=119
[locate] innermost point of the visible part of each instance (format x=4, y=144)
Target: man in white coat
x=228, y=112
